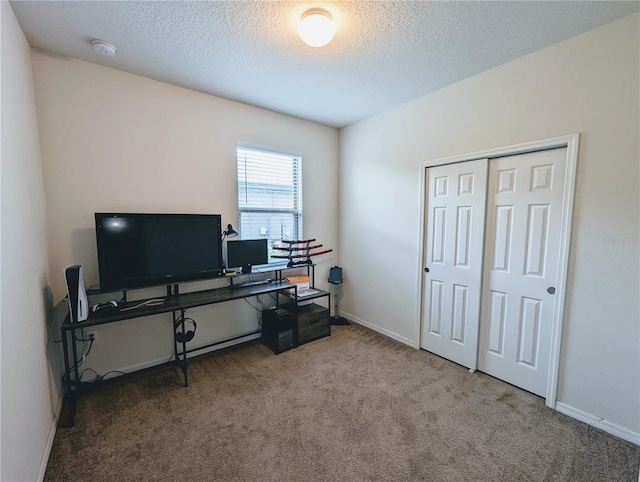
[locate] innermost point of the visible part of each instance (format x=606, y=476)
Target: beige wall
x=30, y=386
x=112, y=141
x=589, y=85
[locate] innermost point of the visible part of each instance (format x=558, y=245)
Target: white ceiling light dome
x=316, y=27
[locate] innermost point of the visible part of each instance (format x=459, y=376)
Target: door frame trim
x=571, y=143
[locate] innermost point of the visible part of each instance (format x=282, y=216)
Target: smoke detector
x=103, y=48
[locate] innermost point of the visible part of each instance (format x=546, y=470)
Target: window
x=269, y=196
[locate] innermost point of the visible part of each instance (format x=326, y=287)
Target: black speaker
x=285, y=340
x=78, y=304
x=278, y=327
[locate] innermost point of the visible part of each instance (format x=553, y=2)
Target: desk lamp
x=230, y=232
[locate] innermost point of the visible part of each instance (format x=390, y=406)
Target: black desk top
x=178, y=302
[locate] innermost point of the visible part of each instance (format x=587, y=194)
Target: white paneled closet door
x=521, y=267
x=455, y=215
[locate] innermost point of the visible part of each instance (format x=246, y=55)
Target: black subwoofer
x=278, y=327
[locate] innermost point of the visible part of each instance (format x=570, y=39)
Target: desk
x=174, y=303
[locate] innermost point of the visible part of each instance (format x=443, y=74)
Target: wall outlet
x=89, y=334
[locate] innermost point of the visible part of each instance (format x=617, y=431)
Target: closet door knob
x=426, y=270
x=551, y=290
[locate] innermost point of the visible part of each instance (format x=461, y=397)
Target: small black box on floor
x=278, y=327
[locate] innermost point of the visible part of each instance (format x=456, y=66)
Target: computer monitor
x=247, y=253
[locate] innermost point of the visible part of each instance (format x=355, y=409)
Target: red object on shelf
x=299, y=255
x=281, y=248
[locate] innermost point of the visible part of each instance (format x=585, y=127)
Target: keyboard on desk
x=246, y=284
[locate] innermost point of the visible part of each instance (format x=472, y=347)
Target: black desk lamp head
x=230, y=232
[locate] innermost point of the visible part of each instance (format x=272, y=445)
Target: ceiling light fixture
x=316, y=27
x=103, y=48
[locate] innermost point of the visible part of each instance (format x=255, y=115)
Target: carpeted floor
x=355, y=406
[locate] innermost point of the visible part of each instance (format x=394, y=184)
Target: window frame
x=283, y=199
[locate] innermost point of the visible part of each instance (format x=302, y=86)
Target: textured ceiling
x=384, y=53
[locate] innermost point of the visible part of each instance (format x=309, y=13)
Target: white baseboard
x=599, y=423
x=382, y=331
x=50, y=438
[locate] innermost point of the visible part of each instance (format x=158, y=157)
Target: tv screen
x=138, y=250
x=247, y=253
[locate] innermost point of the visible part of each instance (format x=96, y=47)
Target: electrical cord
x=249, y=303
x=110, y=372
x=85, y=355
x=153, y=302
x=83, y=339
x=80, y=361
x=259, y=308
x=98, y=377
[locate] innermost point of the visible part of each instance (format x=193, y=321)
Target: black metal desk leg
x=68, y=385
x=180, y=339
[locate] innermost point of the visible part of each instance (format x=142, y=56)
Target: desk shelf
x=174, y=303
x=177, y=303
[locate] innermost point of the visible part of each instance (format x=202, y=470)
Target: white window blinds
x=269, y=195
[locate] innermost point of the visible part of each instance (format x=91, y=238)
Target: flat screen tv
x=247, y=253
x=139, y=250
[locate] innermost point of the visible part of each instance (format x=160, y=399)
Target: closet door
x=455, y=211
x=524, y=223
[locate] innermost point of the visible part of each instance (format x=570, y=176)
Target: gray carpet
x=355, y=406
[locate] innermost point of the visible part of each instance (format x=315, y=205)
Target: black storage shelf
x=311, y=321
